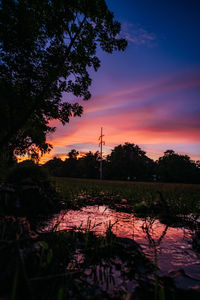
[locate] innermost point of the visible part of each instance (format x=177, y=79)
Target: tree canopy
x=46, y=50
x=174, y=167
x=128, y=162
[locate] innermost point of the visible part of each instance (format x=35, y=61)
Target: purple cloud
x=137, y=35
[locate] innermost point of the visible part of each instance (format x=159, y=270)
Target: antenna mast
x=101, y=143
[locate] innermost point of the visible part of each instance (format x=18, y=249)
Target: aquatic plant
x=152, y=197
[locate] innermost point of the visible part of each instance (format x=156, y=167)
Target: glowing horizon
x=156, y=115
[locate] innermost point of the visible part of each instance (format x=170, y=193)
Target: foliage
x=71, y=163
x=28, y=191
x=46, y=50
x=129, y=161
x=55, y=166
x=126, y=161
x=179, y=198
x=173, y=167
x=27, y=170
x=47, y=263
x=86, y=166
x=6, y=162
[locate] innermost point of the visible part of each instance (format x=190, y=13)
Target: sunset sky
x=148, y=95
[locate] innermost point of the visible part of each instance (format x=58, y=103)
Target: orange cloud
x=160, y=111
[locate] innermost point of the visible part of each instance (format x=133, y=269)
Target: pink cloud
x=144, y=91
x=138, y=114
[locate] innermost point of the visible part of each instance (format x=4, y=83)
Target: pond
x=169, y=247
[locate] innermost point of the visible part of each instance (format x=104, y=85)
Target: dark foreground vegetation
x=127, y=162
x=76, y=264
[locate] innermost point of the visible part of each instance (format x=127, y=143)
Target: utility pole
x=101, y=143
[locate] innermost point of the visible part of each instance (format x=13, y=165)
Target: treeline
x=127, y=162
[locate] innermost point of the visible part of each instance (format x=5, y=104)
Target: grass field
x=183, y=198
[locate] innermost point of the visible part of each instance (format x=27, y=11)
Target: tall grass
x=184, y=198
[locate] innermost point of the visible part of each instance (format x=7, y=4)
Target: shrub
x=27, y=170
x=32, y=193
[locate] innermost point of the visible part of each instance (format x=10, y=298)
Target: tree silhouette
x=46, y=50
x=128, y=161
x=89, y=165
x=55, y=166
x=173, y=167
x=71, y=164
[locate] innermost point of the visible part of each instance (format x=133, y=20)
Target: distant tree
x=128, y=161
x=173, y=167
x=89, y=165
x=46, y=50
x=73, y=155
x=107, y=172
x=71, y=164
x=197, y=164
x=55, y=167
x=86, y=166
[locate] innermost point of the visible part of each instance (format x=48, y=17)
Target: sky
x=148, y=95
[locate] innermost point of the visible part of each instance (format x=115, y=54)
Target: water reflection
x=169, y=248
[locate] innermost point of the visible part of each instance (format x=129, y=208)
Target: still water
x=173, y=246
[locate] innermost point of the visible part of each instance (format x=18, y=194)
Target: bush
x=31, y=191
x=27, y=170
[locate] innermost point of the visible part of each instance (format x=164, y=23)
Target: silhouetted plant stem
x=24, y=273
x=15, y=281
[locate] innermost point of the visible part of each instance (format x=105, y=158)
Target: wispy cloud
x=138, y=35
x=142, y=94
x=158, y=111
